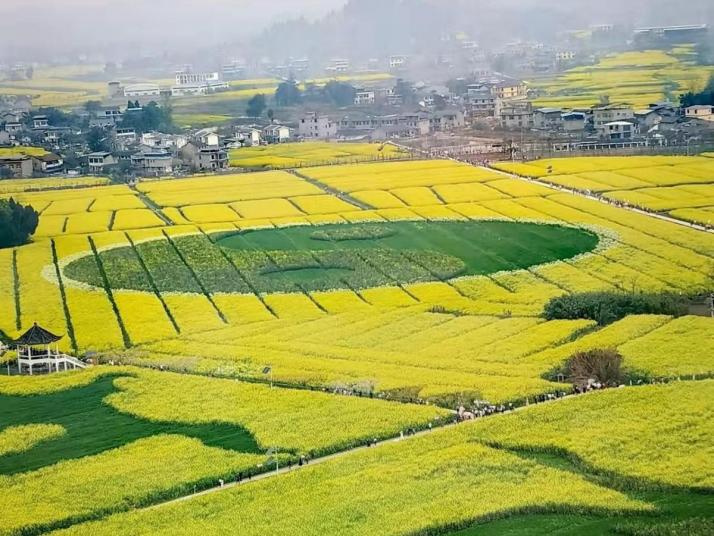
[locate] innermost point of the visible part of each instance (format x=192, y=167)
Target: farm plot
x=682, y=187
x=123, y=427
x=499, y=460
x=435, y=295
x=637, y=78
x=311, y=154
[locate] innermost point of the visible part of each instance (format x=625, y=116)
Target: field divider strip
x=110, y=295
x=153, y=285
x=347, y=198
x=16, y=290
x=244, y=279
x=63, y=294
x=153, y=207
x=397, y=283
x=193, y=273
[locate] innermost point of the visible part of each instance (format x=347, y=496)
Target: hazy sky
x=163, y=24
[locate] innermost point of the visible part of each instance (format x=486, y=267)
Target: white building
x=276, y=134
x=316, y=126
x=142, y=90
x=397, y=62
x=618, y=130
x=364, y=96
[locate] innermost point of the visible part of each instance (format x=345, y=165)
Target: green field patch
x=312, y=258
x=93, y=426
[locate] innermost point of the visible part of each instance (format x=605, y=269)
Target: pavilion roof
x=37, y=336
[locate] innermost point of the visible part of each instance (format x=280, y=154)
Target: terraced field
x=245, y=321
x=637, y=78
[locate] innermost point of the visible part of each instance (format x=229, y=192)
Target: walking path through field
x=347, y=198
x=329, y=457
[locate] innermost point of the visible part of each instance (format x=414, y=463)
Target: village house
x=247, y=136
x=611, y=112
x=365, y=96
x=397, y=62
x=446, y=120
x=316, y=126
x=20, y=166
x=548, y=118
x=99, y=160
x=574, y=121
x=40, y=122
x=517, y=115
x=618, y=131
x=204, y=157
x=509, y=89
x=142, y=90
x=705, y=112
x=153, y=162
x=277, y=134
x=48, y=164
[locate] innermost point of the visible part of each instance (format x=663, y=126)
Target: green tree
x=97, y=140
x=17, y=223
x=288, y=94
x=256, y=106
x=339, y=93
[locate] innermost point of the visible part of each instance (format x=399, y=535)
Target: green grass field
x=335, y=256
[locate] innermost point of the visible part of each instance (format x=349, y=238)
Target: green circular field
x=332, y=256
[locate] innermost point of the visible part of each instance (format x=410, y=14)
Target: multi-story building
x=611, y=112
x=365, y=96
x=100, y=160
x=316, y=126
x=517, y=115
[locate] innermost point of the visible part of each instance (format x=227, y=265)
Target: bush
x=608, y=307
x=17, y=223
x=604, y=366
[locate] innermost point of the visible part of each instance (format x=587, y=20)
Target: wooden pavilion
x=35, y=351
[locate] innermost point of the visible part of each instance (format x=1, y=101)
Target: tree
x=608, y=307
x=256, y=105
x=706, y=96
x=405, y=90
x=288, y=94
x=603, y=366
x=97, y=140
x=339, y=93
x=17, y=223
x=271, y=115
x=148, y=118
x=92, y=106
